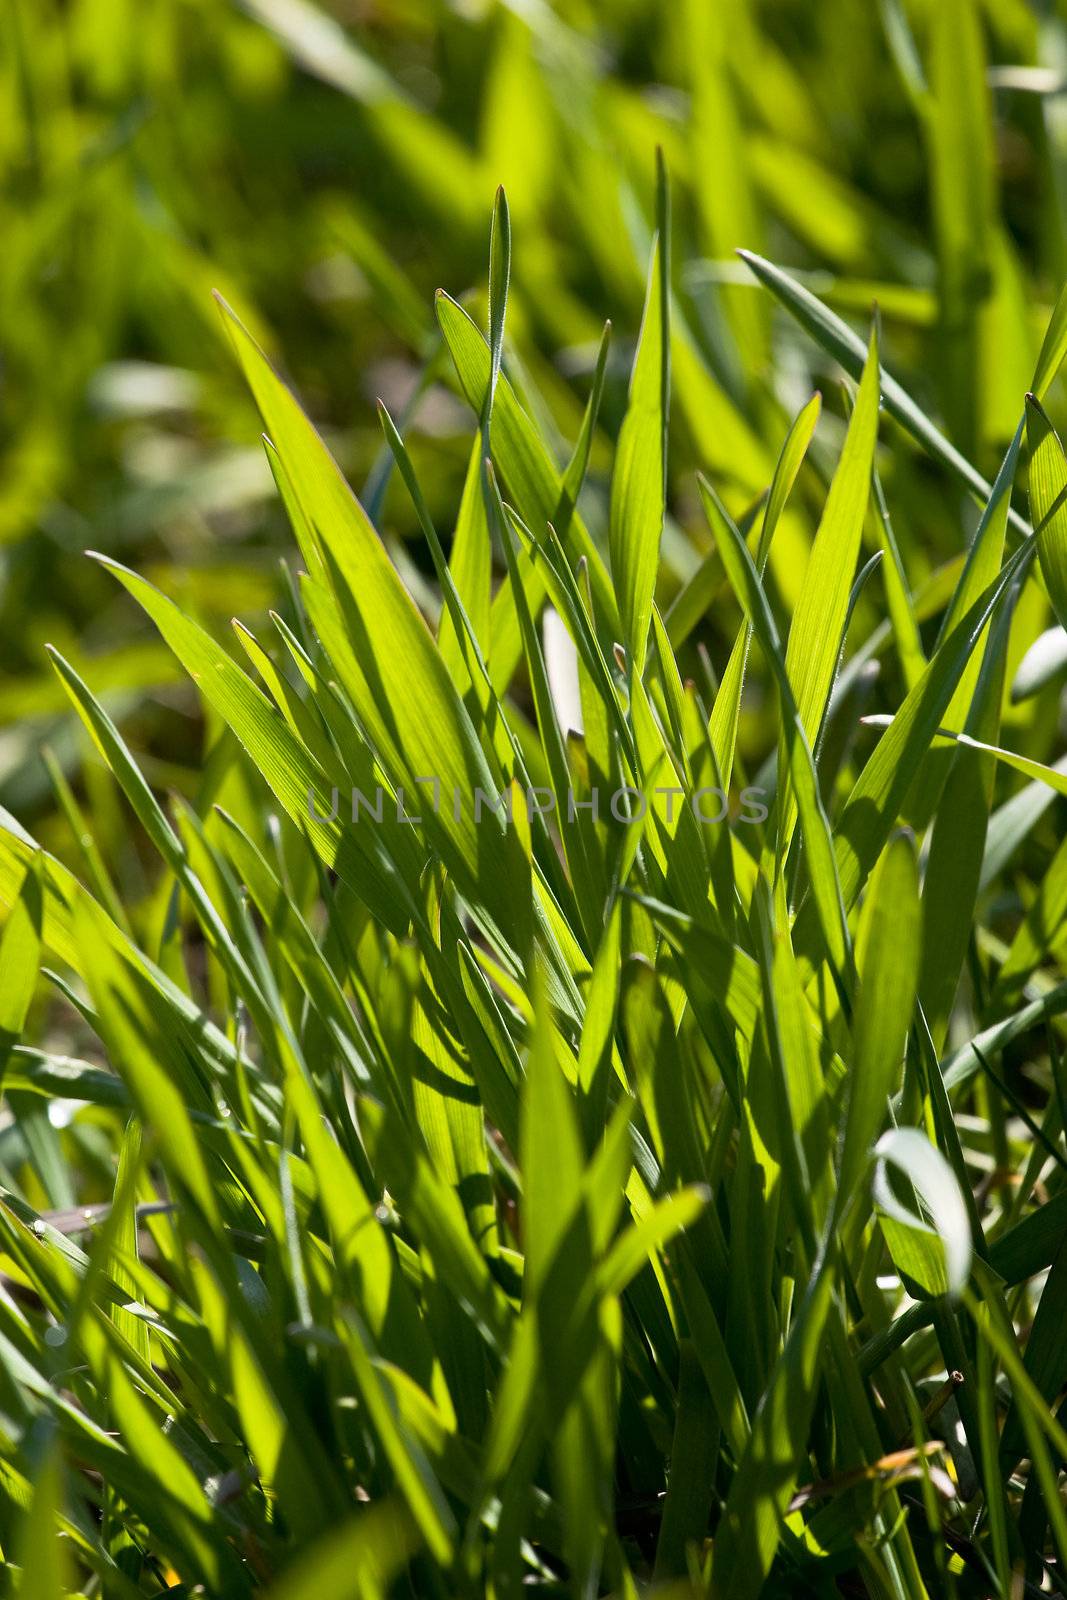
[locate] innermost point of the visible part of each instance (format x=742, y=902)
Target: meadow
x=533, y=1009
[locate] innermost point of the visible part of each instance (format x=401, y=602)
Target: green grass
x=595, y=1200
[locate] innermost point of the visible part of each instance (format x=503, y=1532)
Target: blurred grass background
x=327, y=167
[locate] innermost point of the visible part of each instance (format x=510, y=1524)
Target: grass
x=562, y=1190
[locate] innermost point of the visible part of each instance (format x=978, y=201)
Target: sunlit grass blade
x=20, y=958
x=847, y=347
x=725, y=711
x=1048, y=504
x=823, y=871
x=815, y=634
x=639, y=477
x=873, y=806
x=888, y=960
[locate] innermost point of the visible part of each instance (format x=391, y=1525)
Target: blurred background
x=328, y=166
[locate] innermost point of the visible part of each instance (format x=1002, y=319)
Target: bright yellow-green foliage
x=533, y=1062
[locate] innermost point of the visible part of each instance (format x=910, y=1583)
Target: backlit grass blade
x=100, y=878
x=499, y=278
x=463, y=629
x=815, y=634
x=1048, y=504
x=888, y=963
x=957, y=843
x=297, y=780
x=360, y=1557
x=574, y=833
x=960, y=127
x=872, y=807
x=391, y=653
x=804, y=1130
x=64, y=903
x=690, y=605
x=846, y=346
x=1053, y=348
x=528, y=478
x=1052, y=776
x=471, y=562
x=1038, y=929
x=639, y=476
x=115, y=752
x=286, y=926
x=980, y=568
x=898, y=597
x=20, y=957
x=822, y=868
x=140, y=1048
x=552, y=1157
x=125, y=1235
x=725, y=971
x=41, y=1554
x=432, y=1199
x=725, y=711
x=578, y=464
x=492, y=1052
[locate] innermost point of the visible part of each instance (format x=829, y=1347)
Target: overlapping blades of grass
x=556, y=1182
